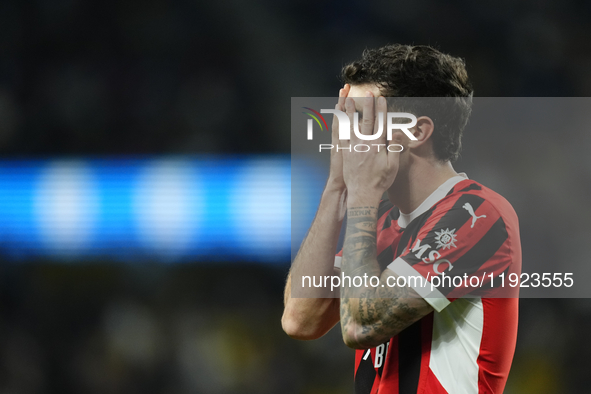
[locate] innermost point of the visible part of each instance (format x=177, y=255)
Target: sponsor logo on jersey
x=434, y=256
x=446, y=238
x=419, y=249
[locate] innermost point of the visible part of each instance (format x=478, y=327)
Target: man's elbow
x=357, y=336
x=354, y=338
x=299, y=329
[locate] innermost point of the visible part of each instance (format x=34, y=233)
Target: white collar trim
x=438, y=194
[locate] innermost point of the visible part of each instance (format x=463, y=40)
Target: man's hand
x=368, y=175
x=335, y=179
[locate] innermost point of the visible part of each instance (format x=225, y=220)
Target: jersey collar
x=405, y=218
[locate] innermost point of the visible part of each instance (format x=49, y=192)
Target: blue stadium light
x=172, y=209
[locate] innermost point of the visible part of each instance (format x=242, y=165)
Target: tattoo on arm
x=378, y=312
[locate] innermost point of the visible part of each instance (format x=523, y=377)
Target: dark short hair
x=420, y=71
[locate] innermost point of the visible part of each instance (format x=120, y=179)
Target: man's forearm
x=359, y=258
x=317, y=252
x=314, y=311
x=371, y=315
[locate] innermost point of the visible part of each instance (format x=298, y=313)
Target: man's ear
x=422, y=131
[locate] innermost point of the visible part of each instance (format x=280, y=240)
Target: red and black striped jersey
x=466, y=345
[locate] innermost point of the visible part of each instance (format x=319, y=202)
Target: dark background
x=81, y=78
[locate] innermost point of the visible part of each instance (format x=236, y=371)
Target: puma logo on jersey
x=470, y=210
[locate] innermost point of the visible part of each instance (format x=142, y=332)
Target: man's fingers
x=343, y=93
x=340, y=107
x=335, y=125
x=350, y=106
x=381, y=110
x=368, y=115
x=350, y=109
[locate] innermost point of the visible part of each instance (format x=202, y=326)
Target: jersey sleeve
x=458, y=251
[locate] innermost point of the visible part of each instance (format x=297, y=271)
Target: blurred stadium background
x=145, y=184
